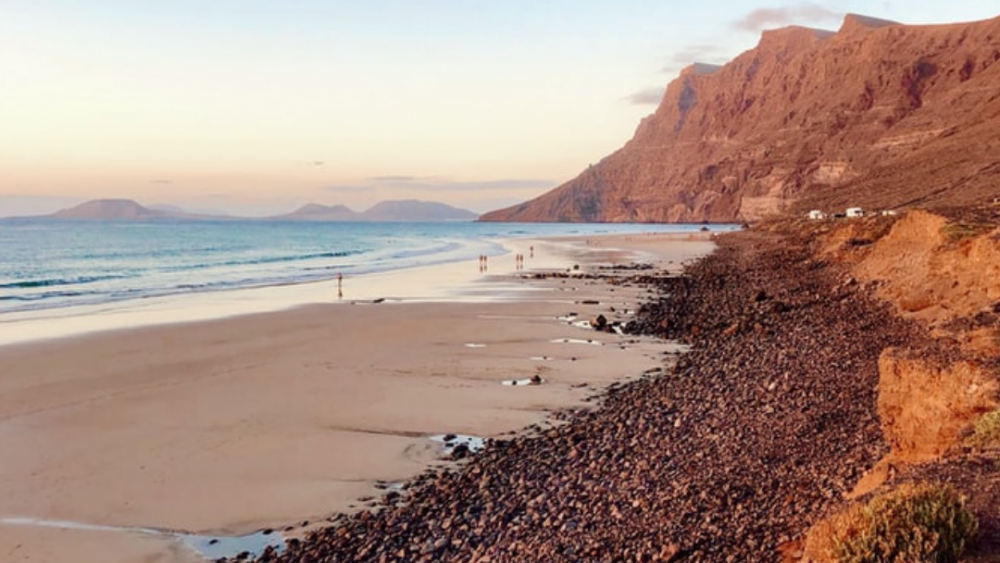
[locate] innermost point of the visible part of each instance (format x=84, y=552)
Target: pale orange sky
x=256, y=107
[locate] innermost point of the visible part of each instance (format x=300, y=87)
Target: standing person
x=532, y=250
x=340, y=285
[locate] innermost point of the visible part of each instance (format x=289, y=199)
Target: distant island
x=385, y=211
x=392, y=210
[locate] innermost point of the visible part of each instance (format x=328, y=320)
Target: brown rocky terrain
x=812, y=381
x=728, y=456
x=936, y=270
x=877, y=115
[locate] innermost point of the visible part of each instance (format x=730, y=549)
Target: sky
x=256, y=107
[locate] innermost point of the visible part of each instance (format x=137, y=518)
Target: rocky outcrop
x=937, y=393
x=878, y=114
x=925, y=406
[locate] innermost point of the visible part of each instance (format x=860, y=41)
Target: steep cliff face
x=878, y=114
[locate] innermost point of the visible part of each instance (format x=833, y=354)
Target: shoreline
x=420, y=283
x=245, y=400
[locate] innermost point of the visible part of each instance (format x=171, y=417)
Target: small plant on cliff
x=958, y=232
x=914, y=523
x=986, y=431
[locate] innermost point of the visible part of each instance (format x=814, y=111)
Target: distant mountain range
x=395, y=210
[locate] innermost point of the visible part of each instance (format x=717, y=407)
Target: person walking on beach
x=340, y=285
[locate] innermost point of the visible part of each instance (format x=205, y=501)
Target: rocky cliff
x=878, y=114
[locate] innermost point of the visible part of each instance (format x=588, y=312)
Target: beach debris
x=600, y=322
x=460, y=445
x=577, y=341
x=533, y=380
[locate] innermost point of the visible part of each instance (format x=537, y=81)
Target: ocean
x=53, y=264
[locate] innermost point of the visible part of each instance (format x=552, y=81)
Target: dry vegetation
x=986, y=431
x=914, y=523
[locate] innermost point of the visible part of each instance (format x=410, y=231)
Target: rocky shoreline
x=728, y=456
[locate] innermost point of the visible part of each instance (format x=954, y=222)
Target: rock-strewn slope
x=879, y=115
x=726, y=458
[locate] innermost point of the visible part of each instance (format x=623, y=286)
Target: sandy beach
x=266, y=420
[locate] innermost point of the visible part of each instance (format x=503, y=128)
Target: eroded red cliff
x=878, y=115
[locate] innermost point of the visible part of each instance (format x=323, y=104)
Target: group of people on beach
x=518, y=260
x=483, y=266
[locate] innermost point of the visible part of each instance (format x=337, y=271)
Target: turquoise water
x=46, y=264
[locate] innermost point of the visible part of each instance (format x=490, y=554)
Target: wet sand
x=266, y=420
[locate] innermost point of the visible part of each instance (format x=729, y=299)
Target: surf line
x=210, y=547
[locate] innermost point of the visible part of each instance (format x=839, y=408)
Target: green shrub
x=926, y=523
x=986, y=431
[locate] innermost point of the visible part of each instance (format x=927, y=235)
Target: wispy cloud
x=393, y=179
x=349, y=189
x=694, y=54
x=801, y=12
x=161, y=182
x=312, y=163
x=649, y=96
